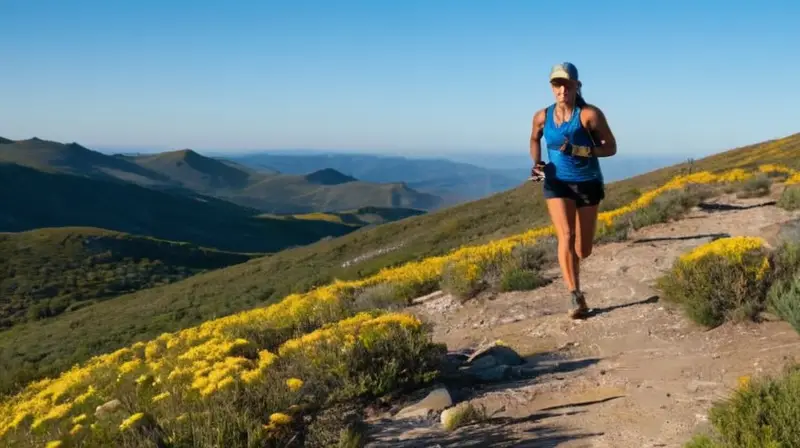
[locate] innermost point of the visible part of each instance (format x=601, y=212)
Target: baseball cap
x=564, y=70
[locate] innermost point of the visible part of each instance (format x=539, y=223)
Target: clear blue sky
x=407, y=76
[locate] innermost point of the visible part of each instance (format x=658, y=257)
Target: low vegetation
x=760, y=413
x=726, y=279
x=519, y=269
x=46, y=272
x=409, y=254
x=755, y=187
x=254, y=379
x=464, y=414
x=669, y=206
x=790, y=198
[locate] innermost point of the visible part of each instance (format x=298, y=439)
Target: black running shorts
x=583, y=193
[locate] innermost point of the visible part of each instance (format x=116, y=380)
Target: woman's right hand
x=537, y=172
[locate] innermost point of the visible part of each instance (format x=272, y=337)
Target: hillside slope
x=637, y=373
x=196, y=172
x=45, y=272
x=328, y=191
x=72, y=158
x=311, y=367
x=31, y=199
x=112, y=324
x=360, y=217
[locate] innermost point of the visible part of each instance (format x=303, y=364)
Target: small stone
x=107, y=408
x=437, y=400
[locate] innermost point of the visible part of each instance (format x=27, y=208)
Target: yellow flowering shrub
x=761, y=412
x=726, y=279
x=217, y=379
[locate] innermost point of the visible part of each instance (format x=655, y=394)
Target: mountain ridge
x=228, y=180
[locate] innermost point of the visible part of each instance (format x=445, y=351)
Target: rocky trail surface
x=637, y=373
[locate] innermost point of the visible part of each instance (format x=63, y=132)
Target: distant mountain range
x=454, y=182
x=264, y=190
x=182, y=196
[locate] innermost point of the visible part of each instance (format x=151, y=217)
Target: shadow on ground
x=491, y=434
x=717, y=207
x=713, y=236
x=598, y=311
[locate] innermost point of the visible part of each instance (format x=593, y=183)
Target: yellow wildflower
x=744, y=381
x=131, y=421
x=79, y=419
x=161, y=396
x=54, y=444
x=279, y=418
x=732, y=248
x=294, y=384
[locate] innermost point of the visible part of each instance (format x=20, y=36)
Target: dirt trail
x=635, y=374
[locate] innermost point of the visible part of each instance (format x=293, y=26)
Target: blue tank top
x=563, y=166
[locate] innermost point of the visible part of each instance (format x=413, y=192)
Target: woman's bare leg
x=562, y=213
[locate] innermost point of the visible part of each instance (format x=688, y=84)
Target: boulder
x=502, y=353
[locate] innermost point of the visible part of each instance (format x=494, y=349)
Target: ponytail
x=579, y=101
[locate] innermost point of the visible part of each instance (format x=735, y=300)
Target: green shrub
x=465, y=414
x=790, y=198
x=755, y=187
x=517, y=279
x=382, y=296
x=784, y=300
x=723, y=280
x=701, y=441
x=460, y=281
x=763, y=413
x=519, y=270
x=669, y=206
x=537, y=256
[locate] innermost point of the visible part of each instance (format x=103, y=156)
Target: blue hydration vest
x=562, y=166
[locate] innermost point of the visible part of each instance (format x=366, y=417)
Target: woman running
x=573, y=182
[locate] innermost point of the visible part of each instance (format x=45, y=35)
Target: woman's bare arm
x=537, y=130
x=595, y=121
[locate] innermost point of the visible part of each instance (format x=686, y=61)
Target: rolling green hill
x=37, y=348
x=196, y=172
x=45, y=272
x=328, y=192
x=72, y=158
x=31, y=199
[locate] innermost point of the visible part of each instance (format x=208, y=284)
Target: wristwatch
x=577, y=150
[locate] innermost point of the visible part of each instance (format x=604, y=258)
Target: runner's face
x=564, y=91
